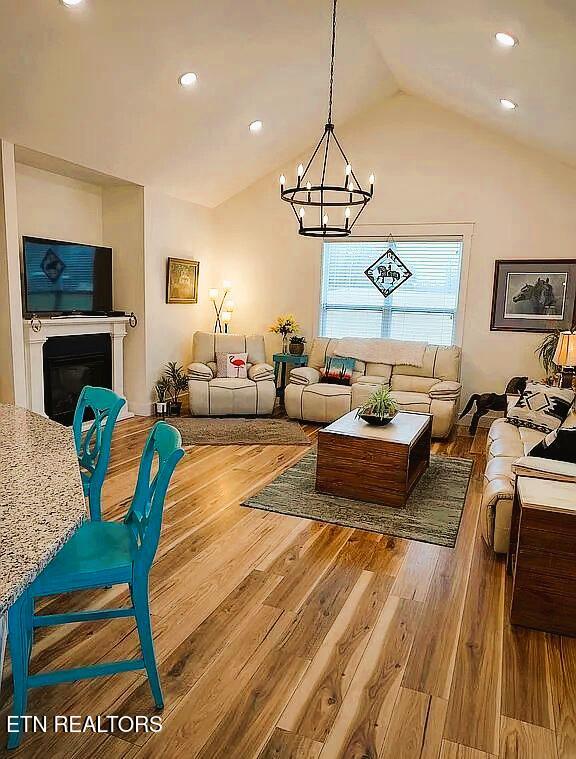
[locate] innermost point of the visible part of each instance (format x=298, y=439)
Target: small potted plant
x=545, y=352
x=162, y=388
x=380, y=408
x=177, y=383
x=297, y=343
x=284, y=325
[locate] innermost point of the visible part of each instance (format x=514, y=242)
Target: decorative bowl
x=378, y=421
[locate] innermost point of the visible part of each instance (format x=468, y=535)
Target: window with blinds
x=423, y=308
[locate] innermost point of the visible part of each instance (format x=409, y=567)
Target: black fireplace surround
x=70, y=363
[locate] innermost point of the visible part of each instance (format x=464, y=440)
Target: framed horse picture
x=533, y=295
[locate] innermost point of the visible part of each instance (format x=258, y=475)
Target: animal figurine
x=486, y=402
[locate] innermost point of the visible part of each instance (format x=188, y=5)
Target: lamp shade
x=565, y=354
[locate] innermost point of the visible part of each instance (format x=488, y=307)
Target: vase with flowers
x=284, y=325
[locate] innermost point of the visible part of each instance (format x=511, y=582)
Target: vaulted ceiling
x=98, y=84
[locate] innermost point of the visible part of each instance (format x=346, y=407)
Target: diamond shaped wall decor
x=388, y=272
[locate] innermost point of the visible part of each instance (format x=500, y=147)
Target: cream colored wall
x=12, y=366
x=58, y=207
x=123, y=230
x=176, y=229
x=432, y=167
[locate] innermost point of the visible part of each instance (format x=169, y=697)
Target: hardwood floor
x=283, y=638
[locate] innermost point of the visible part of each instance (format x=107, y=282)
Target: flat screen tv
x=66, y=277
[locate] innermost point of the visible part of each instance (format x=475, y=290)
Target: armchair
x=210, y=395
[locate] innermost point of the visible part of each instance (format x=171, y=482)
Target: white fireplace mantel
x=115, y=326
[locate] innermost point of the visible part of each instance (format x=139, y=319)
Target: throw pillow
x=338, y=371
x=559, y=445
x=540, y=407
x=232, y=365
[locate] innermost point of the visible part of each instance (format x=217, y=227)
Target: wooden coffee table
x=377, y=464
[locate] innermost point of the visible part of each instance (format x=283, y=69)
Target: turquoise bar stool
x=93, y=447
x=100, y=554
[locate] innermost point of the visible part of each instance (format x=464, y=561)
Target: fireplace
x=71, y=362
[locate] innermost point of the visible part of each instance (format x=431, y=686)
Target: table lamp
x=565, y=358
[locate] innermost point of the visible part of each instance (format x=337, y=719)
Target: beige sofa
x=221, y=396
x=433, y=388
x=506, y=456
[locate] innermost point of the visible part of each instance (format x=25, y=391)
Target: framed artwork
x=534, y=296
x=182, y=281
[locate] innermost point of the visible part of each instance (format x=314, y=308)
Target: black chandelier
x=329, y=194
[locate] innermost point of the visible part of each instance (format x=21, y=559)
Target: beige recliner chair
x=433, y=388
x=211, y=395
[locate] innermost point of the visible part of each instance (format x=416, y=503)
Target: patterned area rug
x=238, y=431
x=432, y=514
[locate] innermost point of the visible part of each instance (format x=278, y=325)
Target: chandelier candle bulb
x=347, y=217
x=300, y=173
x=282, y=181
x=348, y=172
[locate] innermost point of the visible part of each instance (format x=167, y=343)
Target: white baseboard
x=140, y=409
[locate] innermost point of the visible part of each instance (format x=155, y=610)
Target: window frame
x=380, y=233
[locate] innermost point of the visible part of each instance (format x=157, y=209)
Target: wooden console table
x=542, y=555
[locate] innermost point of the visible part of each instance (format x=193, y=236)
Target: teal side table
x=281, y=361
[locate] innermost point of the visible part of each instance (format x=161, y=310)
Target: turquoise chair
x=100, y=554
x=93, y=447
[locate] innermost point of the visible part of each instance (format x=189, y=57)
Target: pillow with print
x=338, y=371
x=540, y=407
x=232, y=365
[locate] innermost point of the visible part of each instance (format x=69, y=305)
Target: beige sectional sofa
x=210, y=395
x=433, y=388
x=506, y=451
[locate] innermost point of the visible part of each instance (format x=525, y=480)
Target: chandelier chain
x=332, y=61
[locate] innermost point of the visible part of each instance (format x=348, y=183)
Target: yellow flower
x=285, y=324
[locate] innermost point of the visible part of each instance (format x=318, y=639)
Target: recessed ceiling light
x=508, y=105
x=255, y=126
x=506, y=40
x=189, y=79
x=71, y=3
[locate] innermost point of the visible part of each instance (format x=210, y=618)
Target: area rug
x=201, y=430
x=432, y=514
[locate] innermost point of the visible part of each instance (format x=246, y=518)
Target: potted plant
x=380, y=408
x=162, y=388
x=284, y=325
x=297, y=343
x=545, y=352
x=177, y=383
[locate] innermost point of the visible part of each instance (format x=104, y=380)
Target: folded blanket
x=378, y=350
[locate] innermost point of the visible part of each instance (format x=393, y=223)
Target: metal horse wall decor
x=388, y=272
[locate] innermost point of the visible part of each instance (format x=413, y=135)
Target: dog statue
x=486, y=402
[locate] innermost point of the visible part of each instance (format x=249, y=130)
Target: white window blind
x=423, y=308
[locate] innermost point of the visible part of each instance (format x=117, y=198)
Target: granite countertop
x=41, y=499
